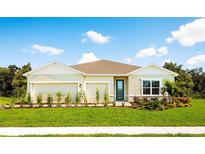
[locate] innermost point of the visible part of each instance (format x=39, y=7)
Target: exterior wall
x=56, y=68
x=134, y=82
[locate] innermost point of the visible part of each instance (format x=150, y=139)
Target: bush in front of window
x=159, y=103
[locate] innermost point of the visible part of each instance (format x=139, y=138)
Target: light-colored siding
x=56, y=68
x=134, y=80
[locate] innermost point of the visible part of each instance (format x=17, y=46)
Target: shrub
x=49, y=100
x=68, y=98
x=85, y=100
x=180, y=105
x=159, y=103
x=78, y=98
x=184, y=100
x=29, y=101
x=39, y=99
x=22, y=100
x=173, y=104
x=97, y=96
x=138, y=101
x=106, y=97
x=58, y=96
x=153, y=103
x=171, y=87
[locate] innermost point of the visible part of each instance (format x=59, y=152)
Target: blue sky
x=138, y=41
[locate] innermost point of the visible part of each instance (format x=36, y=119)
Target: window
x=146, y=87
x=155, y=87
x=151, y=87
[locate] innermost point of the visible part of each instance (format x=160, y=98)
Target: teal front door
x=119, y=90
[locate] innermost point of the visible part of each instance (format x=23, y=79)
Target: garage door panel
x=91, y=90
x=51, y=88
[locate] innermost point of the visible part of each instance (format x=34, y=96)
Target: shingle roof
x=105, y=67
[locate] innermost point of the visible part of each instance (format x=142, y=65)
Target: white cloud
x=88, y=57
x=196, y=59
x=36, y=48
x=128, y=60
x=152, y=52
x=146, y=52
x=162, y=51
x=96, y=37
x=189, y=34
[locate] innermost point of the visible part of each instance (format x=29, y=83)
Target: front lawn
x=105, y=116
x=5, y=100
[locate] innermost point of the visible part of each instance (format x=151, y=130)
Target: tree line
x=190, y=82
x=12, y=81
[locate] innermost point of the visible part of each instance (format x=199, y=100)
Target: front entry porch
x=120, y=89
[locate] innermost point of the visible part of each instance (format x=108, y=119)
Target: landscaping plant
x=29, y=101
x=49, y=100
x=85, y=100
x=39, y=99
x=97, y=96
x=68, y=99
x=106, y=98
x=58, y=98
x=78, y=98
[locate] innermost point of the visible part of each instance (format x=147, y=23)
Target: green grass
x=111, y=135
x=5, y=100
x=186, y=116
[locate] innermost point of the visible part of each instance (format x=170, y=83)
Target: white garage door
x=52, y=88
x=91, y=90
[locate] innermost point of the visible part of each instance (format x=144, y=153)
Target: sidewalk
x=15, y=131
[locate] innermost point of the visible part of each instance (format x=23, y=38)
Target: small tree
x=85, y=100
x=29, y=101
x=97, y=96
x=78, y=98
x=49, y=100
x=68, y=98
x=172, y=88
x=106, y=97
x=58, y=97
x=39, y=99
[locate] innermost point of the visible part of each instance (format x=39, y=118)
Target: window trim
x=151, y=79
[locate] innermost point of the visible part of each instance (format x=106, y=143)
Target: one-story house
x=122, y=81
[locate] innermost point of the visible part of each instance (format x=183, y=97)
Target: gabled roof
x=51, y=63
x=105, y=67
x=101, y=67
x=161, y=68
